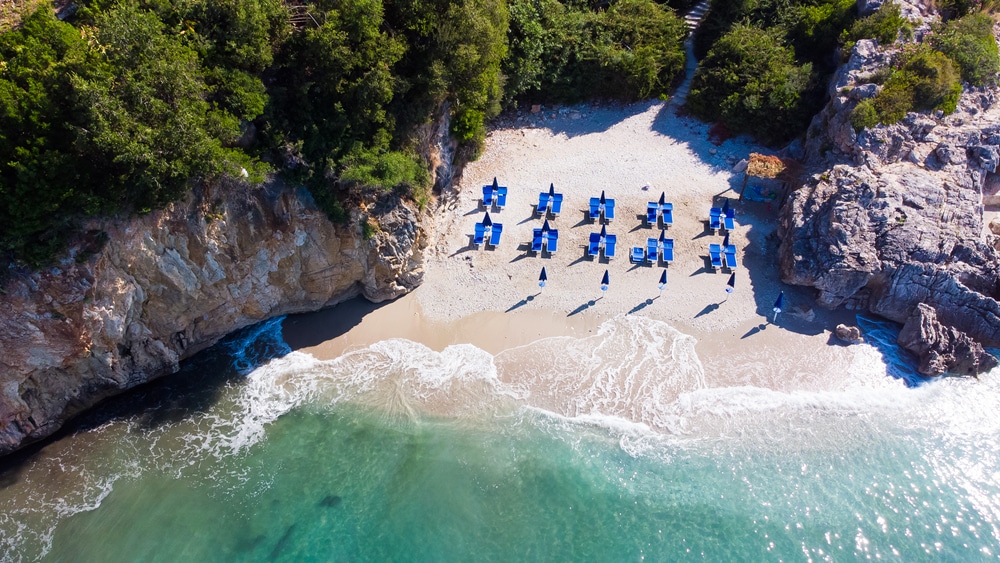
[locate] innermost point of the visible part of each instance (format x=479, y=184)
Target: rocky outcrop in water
x=941, y=348
x=895, y=221
x=135, y=297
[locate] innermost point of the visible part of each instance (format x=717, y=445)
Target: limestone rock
x=849, y=334
x=173, y=282
x=995, y=225
x=942, y=349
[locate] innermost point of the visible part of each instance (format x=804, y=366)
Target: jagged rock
x=868, y=7
x=941, y=348
x=173, y=282
x=849, y=334
x=896, y=218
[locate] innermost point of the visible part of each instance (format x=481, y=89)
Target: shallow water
x=629, y=450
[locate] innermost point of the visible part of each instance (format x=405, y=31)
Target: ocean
x=619, y=446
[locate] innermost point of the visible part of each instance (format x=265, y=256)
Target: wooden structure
x=772, y=175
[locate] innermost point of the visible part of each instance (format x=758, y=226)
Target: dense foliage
x=970, y=43
x=127, y=105
x=750, y=82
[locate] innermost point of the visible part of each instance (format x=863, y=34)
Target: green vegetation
x=123, y=108
x=750, y=82
x=969, y=42
x=884, y=26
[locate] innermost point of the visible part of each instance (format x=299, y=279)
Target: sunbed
x=609, y=209
x=667, y=211
x=715, y=218
x=536, y=240
x=730, y=219
x=556, y=204
x=595, y=244
x=609, y=246
x=477, y=239
x=715, y=253
x=638, y=255
x=652, y=246
x=652, y=209
x=668, y=250
x=731, y=256
x=495, y=234
x=543, y=203
x=595, y=208
x=552, y=241
x=501, y=196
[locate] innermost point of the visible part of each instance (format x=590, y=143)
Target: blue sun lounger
x=652, y=210
x=556, y=204
x=536, y=240
x=594, y=248
x=477, y=239
x=668, y=250
x=731, y=256
x=495, y=234
x=595, y=208
x=730, y=219
x=609, y=246
x=638, y=255
x=501, y=196
x=609, y=209
x=543, y=203
x=668, y=214
x=487, y=196
x=652, y=247
x=715, y=253
x=552, y=241
x=715, y=218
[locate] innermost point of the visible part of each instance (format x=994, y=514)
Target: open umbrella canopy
x=602, y=197
x=487, y=221
x=545, y=226
x=663, y=197
x=725, y=241
x=778, y=302
x=731, y=284
x=606, y=280
x=552, y=189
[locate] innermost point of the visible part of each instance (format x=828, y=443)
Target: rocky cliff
x=136, y=296
x=895, y=219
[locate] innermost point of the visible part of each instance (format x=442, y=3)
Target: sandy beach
x=490, y=297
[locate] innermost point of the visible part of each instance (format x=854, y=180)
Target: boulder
x=942, y=349
x=849, y=334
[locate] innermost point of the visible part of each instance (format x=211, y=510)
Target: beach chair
x=543, y=203
x=501, y=197
x=609, y=246
x=536, y=240
x=667, y=214
x=715, y=253
x=729, y=219
x=495, y=234
x=594, y=248
x=487, y=196
x=715, y=219
x=552, y=241
x=638, y=255
x=652, y=248
x=556, y=204
x=652, y=209
x=609, y=210
x=480, y=234
x=595, y=208
x=668, y=250
x=731, y=256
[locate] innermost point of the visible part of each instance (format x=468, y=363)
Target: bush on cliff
x=750, y=82
x=970, y=43
x=885, y=25
x=926, y=80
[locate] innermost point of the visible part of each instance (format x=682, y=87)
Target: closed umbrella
x=663, y=280
x=725, y=241
x=777, y=304
x=663, y=197
x=602, y=198
x=605, y=281
x=542, y=278
x=552, y=189
x=731, y=284
x=725, y=206
x=487, y=222
x=545, y=226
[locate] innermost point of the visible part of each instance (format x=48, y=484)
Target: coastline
x=490, y=298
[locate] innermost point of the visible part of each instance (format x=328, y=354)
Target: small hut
x=768, y=178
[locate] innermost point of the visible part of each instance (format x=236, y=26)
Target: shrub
x=751, y=83
x=884, y=26
x=970, y=43
x=864, y=115
x=386, y=171
x=927, y=80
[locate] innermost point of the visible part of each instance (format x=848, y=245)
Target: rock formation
x=941, y=348
x=135, y=297
x=896, y=218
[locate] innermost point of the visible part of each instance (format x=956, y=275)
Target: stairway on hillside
x=692, y=19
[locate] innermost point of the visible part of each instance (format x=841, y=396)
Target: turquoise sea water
x=397, y=452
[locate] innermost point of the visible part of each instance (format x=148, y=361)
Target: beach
x=490, y=297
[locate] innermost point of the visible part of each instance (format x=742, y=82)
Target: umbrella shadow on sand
x=584, y=307
x=523, y=302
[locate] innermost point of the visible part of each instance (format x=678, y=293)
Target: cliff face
x=895, y=220
x=166, y=285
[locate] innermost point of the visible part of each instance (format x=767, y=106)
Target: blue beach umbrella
x=777, y=305
x=663, y=280
x=663, y=235
x=731, y=284
x=545, y=226
x=542, y=278
x=725, y=241
x=604, y=232
x=495, y=186
x=663, y=197
x=602, y=198
x=552, y=189
x=487, y=222
x=725, y=205
x=605, y=281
